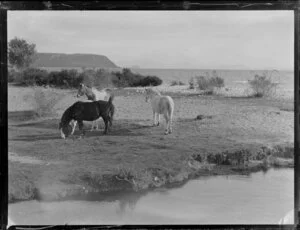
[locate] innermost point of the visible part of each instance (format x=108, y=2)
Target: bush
x=128, y=79
x=203, y=83
x=148, y=81
x=103, y=78
x=88, y=77
x=12, y=75
x=123, y=79
x=217, y=82
x=208, y=83
x=173, y=83
x=72, y=78
x=192, y=83
x=32, y=76
x=261, y=86
x=65, y=78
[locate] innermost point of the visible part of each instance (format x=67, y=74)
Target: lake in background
x=260, y=198
x=230, y=76
x=234, y=79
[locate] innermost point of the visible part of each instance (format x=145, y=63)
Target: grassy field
x=235, y=135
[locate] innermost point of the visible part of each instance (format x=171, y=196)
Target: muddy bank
x=86, y=184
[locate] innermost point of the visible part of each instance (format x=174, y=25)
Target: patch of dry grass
x=45, y=101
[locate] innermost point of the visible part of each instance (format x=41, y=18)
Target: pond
x=258, y=198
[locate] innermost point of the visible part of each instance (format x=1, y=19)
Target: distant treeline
x=71, y=78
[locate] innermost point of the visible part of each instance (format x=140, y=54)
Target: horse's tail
x=112, y=113
x=111, y=98
x=111, y=108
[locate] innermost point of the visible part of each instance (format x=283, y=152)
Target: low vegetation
x=126, y=78
x=207, y=83
x=173, y=83
x=261, y=85
x=71, y=78
x=192, y=83
x=22, y=54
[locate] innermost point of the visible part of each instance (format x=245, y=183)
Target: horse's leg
x=110, y=122
x=167, y=124
x=154, y=118
x=171, y=119
x=63, y=136
x=74, y=126
x=158, y=118
x=170, y=124
x=93, y=125
x=105, y=119
x=80, y=125
x=97, y=124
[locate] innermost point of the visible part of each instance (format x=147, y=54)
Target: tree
x=20, y=53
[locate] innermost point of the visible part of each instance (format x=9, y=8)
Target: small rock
x=199, y=117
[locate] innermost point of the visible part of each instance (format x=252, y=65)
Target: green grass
x=98, y=164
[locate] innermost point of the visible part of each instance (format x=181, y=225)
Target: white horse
x=93, y=95
x=161, y=105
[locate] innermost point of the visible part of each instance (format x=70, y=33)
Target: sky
x=164, y=39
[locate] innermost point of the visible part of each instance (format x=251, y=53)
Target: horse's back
x=170, y=99
x=101, y=95
x=164, y=104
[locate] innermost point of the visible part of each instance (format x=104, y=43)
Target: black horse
x=87, y=111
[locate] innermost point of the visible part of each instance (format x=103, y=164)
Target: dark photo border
x=291, y=5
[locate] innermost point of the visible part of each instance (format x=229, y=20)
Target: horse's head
x=151, y=93
x=81, y=90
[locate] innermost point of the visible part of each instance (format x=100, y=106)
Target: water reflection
x=258, y=198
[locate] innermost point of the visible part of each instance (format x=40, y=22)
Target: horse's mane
x=96, y=94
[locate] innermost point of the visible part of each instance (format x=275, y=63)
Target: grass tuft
x=261, y=85
x=45, y=102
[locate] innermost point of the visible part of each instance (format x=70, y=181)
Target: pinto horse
x=161, y=105
x=87, y=111
x=93, y=95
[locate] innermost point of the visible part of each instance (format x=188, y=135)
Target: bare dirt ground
x=135, y=155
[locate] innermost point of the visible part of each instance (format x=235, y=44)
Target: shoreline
x=195, y=168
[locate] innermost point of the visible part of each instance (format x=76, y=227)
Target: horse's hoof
x=166, y=133
x=157, y=124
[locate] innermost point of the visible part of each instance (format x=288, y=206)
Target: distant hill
x=73, y=60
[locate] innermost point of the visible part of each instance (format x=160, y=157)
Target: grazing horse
x=93, y=95
x=161, y=105
x=87, y=111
